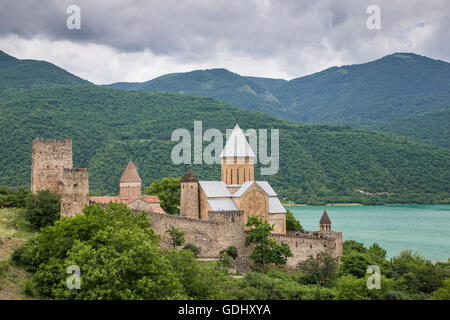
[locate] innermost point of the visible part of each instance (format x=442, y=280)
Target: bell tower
x=130, y=183
x=238, y=159
x=325, y=222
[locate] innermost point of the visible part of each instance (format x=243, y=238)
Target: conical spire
x=130, y=174
x=189, y=176
x=237, y=145
x=325, y=218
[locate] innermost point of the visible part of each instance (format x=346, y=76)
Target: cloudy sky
x=132, y=40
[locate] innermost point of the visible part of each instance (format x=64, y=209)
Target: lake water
x=421, y=228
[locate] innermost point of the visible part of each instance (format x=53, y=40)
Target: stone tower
x=130, y=183
x=48, y=160
x=237, y=159
x=52, y=169
x=74, y=190
x=325, y=222
x=189, y=197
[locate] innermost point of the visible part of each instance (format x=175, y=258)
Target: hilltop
x=375, y=95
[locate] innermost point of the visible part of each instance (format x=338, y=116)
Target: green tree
x=420, y=275
x=352, y=245
x=377, y=253
x=292, y=224
x=266, y=251
x=43, y=209
x=355, y=264
x=350, y=287
x=168, y=192
x=442, y=293
x=176, y=236
x=117, y=253
x=193, y=248
x=320, y=269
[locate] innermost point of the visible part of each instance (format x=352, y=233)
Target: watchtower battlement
x=49, y=159
x=52, y=169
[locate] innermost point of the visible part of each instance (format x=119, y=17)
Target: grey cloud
x=289, y=31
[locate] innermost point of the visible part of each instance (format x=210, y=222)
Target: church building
x=237, y=189
x=131, y=193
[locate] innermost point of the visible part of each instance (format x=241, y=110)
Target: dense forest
x=392, y=94
x=318, y=163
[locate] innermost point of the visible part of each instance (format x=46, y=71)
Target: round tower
x=325, y=222
x=189, y=197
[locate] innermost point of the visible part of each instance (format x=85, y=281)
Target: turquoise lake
x=421, y=228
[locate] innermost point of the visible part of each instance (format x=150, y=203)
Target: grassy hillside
x=15, y=73
x=430, y=127
x=243, y=92
x=317, y=162
x=377, y=94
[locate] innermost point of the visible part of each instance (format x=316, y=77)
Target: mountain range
x=318, y=163
x=403, y=93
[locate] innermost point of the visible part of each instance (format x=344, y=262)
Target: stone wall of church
x=253, y=202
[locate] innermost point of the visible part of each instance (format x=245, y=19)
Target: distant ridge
x=26, y=74
x=373, y=95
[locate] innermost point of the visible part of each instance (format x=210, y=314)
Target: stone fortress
x=213, y=214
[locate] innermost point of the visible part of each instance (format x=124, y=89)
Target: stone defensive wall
x=223, y=229
x=303, y=245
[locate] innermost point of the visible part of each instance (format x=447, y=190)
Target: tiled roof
x=325, y=218
x=215, y=189
x=237, y=145
x=157, y=210
x=130, y=174
x=126, y=200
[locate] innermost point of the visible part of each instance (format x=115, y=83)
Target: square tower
x=48, y=160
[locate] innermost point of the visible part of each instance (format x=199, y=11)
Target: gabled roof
x=130, y=174
x=325, y=218
x=275, y=206
x=267, y=188
x=215, y=189
x=189, y=176
x=264, y=185
x=237, y=145
x=126, y=200
x=222, y=204
x=244, y=187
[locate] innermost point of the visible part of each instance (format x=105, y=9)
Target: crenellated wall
x=224, y=228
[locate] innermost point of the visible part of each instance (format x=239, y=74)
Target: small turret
x=189, y=202
x=325, y=222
